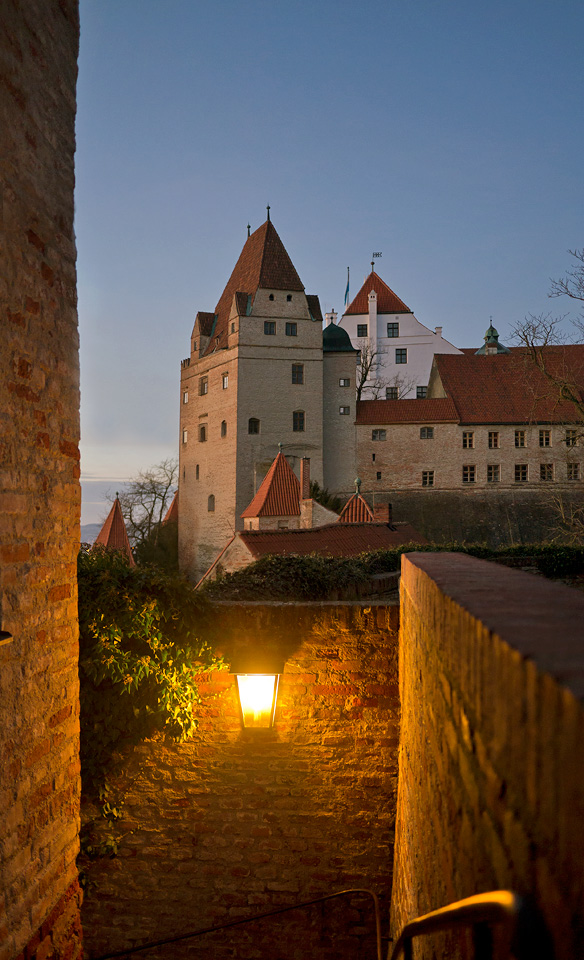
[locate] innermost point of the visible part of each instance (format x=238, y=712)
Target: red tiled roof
x=387, y=300
x=263, y=263
x=356, y=510
x=205, y=323
x=279, y=493
x=113, y=535
x=171, y=515
x=430, y=409
x=332, y=540
x=314, y=306
x=509, y=388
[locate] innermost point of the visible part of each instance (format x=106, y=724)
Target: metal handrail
x=522, y=924
x=257, y=916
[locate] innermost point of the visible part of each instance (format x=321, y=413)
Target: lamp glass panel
x=257, y=697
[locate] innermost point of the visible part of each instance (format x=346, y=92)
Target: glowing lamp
x=257, y=693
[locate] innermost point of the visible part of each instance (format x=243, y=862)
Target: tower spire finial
x=268, y=209
x=280, y=445
x=248, y=229
x=357, y=485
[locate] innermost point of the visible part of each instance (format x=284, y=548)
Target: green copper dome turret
x=491, y=344
x=336, y=340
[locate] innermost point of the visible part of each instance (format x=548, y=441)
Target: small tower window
x=224, y=428
x=202, y=433
x=233, y=328
x=197, y=472
x=271, y=296
x=297, y=373
x=211, y=503
x=298, y=421
x=186, y=396
x=345, y=411
x=225, y=381
x=203, y=386
x=289, y=297
x=184, y=436
x=253, y=425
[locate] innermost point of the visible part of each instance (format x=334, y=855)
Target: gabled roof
x=263, y=263
x=171, y=515
x=113, y=535
x=510, y=388
x=356, y=510
x=387, y=300
x=314, y=306
x=279, y=492
x=332, y=540
x=430, y=409
x=206, y=321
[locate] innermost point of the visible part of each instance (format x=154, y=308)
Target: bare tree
x=147, y=499
x=369, y=379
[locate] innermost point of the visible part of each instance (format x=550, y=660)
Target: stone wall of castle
x=39, y=483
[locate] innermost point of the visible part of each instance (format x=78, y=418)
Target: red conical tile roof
x=356, y=510
x=263, y=263
x=113, y=535
x=387, y=300
x=279, y=493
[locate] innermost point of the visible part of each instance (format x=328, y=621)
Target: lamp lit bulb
x=257, y=698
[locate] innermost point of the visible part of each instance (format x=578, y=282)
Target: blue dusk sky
x=447, y=134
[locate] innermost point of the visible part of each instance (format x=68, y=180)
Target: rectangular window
x=185, y=436
x=233, y=328
x=401, y=355
x=378, y=435
x=361, y=329
x=378, y=476
x=573, y=471
x=545, y=438
x=345, y=382
x=202, y=433
x=427, y=478
x=297, y=373
x=520, y=473
x=197, y=472
x=270, y=328
x=393, y=329
x=392, y=393
x=421, y=393
x=253, y=425
x=493, y=473
x=546, y=471
x=186, y=396
x=469, y=473
x=345, y=411
x=571, y=438
x=203, y=386
x=426, y=433
x=225, y=381
x=520, y=438
x=298, y=421
x=291, y=329
x=493, y=439
x=467, y=439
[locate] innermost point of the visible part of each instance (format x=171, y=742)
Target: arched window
x=224, y=428
x=253, y=425
x=211, y=503
x=202, y=433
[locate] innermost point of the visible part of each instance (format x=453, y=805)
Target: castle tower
x=253, y=379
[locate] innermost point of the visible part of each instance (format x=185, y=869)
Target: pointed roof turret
x=356, y=509
x=113, y=535
x=263, y=263
x=279, y=492
x=491, y=344
x=387, y=300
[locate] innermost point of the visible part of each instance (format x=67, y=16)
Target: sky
x=446, y=134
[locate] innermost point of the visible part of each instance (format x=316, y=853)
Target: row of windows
x=270, y=328
x=520, y=473
x=297, y=377
x=401, y=353
x=253, y=425
x=468, y=437
x=392, y=393
x=392, y=330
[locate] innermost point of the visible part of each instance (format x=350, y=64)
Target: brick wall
x=491, y=779
x=39, y=486
x=235, y=822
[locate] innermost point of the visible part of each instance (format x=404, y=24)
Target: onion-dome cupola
x=491, y=345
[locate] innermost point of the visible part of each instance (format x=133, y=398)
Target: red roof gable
x=263, y=263
x=279, y=493
x=430, y=409
x=356, y=510
x=171, y=515
x=332, y=540
x=387, y=300
x=113, y=535
x=509, y=388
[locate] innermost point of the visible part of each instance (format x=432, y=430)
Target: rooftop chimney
x=305, y=478
x=438, y=331
x=382, y=512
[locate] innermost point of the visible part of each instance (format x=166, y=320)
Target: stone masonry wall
x=39, y=485
x=238, y=822
x=491, y=777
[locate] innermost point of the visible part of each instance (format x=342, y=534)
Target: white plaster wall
x=420, y=342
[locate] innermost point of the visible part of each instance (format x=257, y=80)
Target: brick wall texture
x=235, y=823
x=491, y=778
x=39, y=486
